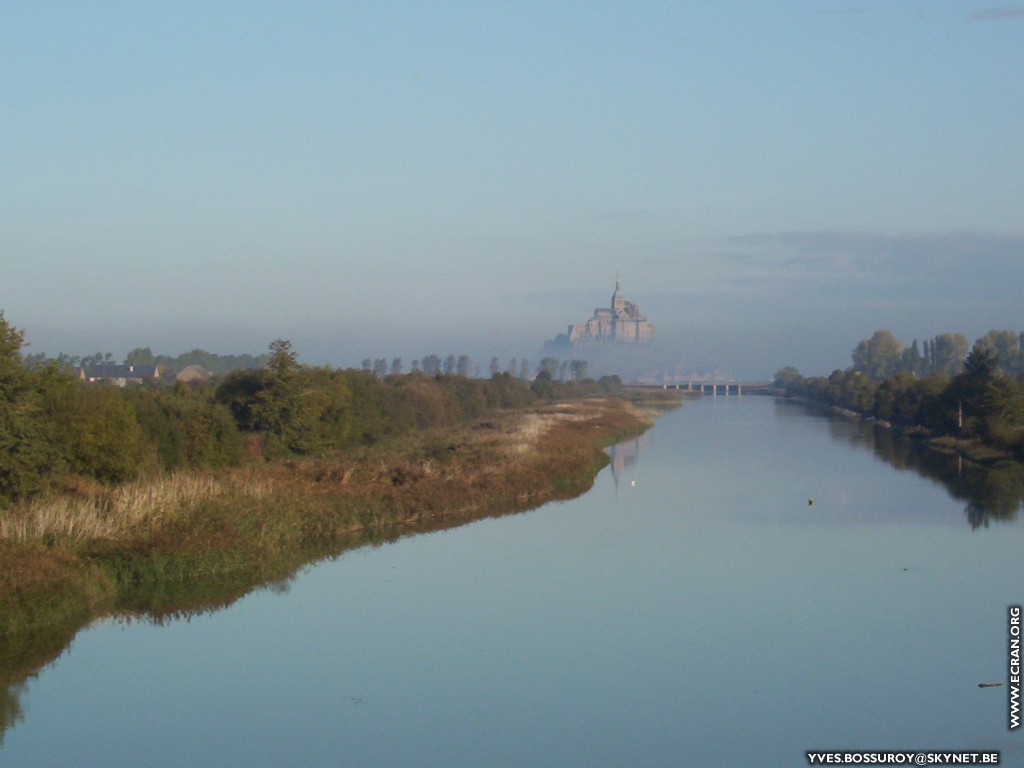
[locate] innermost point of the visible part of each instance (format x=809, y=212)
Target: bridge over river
x=712, y=387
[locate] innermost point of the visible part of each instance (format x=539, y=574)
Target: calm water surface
x=691, y=609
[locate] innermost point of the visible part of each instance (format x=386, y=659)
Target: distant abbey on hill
x=617, y=340
x=622, y=322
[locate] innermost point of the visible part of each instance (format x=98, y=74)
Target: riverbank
x=190, y=542
x=973, y=450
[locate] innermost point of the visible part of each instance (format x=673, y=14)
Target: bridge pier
x=734, y=388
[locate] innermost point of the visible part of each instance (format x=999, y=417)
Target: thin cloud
x=940, y=265
x=998, y=14
x=861, y=244
x=849, y=11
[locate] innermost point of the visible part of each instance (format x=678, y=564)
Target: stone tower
x=622, y=322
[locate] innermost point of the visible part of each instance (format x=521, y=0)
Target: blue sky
x=772, y=181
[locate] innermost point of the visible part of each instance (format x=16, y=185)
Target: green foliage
x=94, y=430
x=53, y=424
x=240, y=391
x=186, y=426
x=945, y=354
x=543, y=386
x=505, y=391
x=972, y=398
x=878, y=357
x=785, y=376
x=141, y=356
x=301, y=410
x=287, y=410
x=1006, y=346
x=25, y=455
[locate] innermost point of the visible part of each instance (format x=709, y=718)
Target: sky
x=771, y=182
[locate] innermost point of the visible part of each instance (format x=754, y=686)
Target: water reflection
x=625, y=454
x=22, y=658
x=11, y=712
x=992, y=493
x=146, y=598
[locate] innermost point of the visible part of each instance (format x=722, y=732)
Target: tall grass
x=134, y=509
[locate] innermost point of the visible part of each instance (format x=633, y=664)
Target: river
x=694, y=608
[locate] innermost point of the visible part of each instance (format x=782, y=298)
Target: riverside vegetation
x=968, y=402
x=168, y=500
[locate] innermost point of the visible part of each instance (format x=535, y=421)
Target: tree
x=911, y=361
x=283, y=359
x=543, y=387
x=1006, y=346
x=578, y=370
x=240, y=392
x=99, y=358
x=982, y=364
x=462, y=367
x=94, y=430
x=431, y=365
x=878, y=357
x=947, y=354
x=286, y=409
x=785, y=376
x=186, y=425
x=140, y=356
x=25, y=455
x=549, y=364
x=396, y=366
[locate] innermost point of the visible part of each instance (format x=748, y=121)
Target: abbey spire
x=623, y=321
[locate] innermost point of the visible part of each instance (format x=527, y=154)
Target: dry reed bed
x=142, y=509
x=129, y=510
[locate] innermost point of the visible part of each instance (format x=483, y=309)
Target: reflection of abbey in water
x=623, y=321
x=625, y=454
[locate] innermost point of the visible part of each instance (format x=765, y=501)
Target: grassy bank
x=193, y=541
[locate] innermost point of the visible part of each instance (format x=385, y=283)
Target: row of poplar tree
x=463, y=365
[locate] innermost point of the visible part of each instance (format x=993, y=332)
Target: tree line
x=463, y=365
x=211, y=361
x=941, y=389
x=57, y=432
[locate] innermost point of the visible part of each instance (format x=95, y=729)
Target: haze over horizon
x=772, y=182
